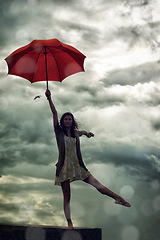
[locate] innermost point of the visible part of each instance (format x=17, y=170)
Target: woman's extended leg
x=104, y=190
x=67, y=196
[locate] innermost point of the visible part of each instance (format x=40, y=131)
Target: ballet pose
x=70, y=165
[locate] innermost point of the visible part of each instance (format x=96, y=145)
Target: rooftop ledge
x=43, y=232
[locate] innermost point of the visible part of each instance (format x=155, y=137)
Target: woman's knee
x=67, y=196
x=95, y=183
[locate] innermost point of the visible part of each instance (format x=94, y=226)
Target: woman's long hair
x=74, y=124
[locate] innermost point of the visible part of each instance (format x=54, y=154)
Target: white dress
x=71, y=169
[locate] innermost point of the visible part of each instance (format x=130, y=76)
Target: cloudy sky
x=117, y=98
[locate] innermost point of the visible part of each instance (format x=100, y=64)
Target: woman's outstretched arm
x=87, y=134
x=53, y=109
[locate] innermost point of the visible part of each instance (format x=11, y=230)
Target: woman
x=70, y=165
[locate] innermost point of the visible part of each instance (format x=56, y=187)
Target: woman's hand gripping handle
x=48, y=94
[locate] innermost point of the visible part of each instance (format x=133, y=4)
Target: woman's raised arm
x=53, y=109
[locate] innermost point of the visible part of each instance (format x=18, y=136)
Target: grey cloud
x=22, y=21
x=137, y=3
x=141, y=32
x=131, y=35
x=155, y=162
x=23, y=139
x=155, y=123
x=134, y=159
x=63, y=2
x=154, y=120
x=26, y=203
x=133, y=75
x=92, y=90
x=115, y=94
x=98, y=96
x=24, y=149
x=8, y=207
x=23, y=188
x=146, y=35
x=9, y=21
x=34, y=170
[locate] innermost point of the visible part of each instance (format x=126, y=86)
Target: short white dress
x=71, y=169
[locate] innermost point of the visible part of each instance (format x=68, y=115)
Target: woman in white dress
x=70, y=165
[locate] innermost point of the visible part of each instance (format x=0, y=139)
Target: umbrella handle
x=47, y=84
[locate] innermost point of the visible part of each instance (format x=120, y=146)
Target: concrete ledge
x=40, y=232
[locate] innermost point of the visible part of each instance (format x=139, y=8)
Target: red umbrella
x=49, y=60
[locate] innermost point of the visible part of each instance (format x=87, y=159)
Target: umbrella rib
x=56, y=63
x=24, y=52
x=36, y=64
x=74, y=58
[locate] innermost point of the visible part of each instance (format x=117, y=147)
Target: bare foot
x=122, y=202
x=70, y=224
x=70, y=227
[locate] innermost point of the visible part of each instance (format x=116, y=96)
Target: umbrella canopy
x=49, y=60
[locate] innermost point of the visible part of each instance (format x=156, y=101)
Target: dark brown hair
x=74, y=124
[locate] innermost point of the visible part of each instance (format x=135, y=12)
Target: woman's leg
x=104, y=190
x=66, y=197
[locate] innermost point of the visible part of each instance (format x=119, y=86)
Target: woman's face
x=67, y=121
